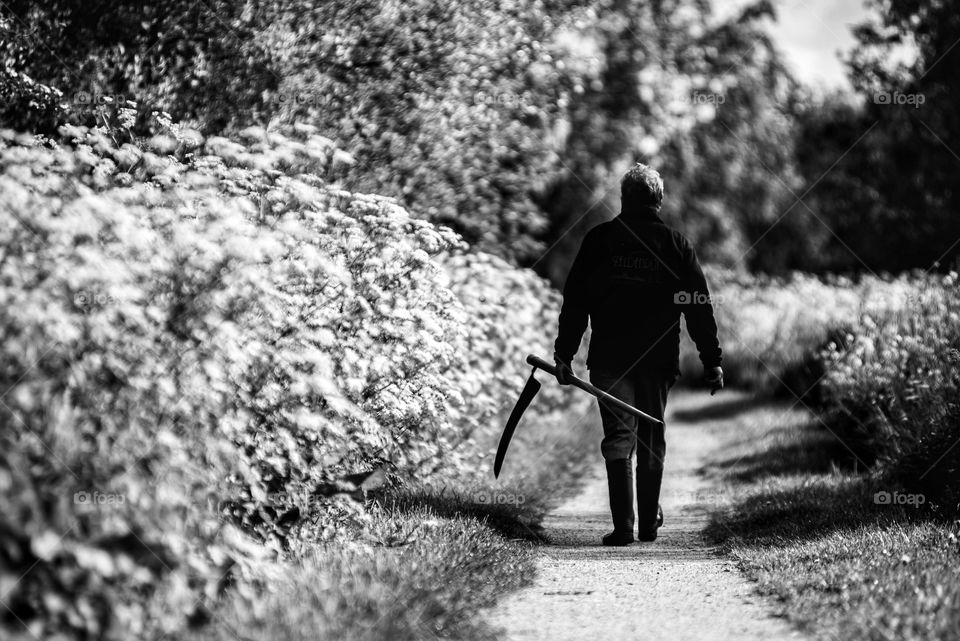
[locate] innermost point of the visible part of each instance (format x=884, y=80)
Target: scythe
x=530, y=390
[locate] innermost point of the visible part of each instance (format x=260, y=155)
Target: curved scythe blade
x=526, y=395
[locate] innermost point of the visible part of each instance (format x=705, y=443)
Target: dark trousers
x=624, y=433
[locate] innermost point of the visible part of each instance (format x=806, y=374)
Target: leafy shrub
x=504, y=122
x=895, y=381
x=205, y=334
x=774, y=329
x=878, y=357
x=24, y=103
x=769, y=326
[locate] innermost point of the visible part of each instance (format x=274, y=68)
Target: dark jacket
x=633, y=277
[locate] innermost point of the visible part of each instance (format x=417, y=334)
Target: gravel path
x=675, y=589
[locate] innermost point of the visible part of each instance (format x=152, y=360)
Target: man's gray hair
x=642, y=185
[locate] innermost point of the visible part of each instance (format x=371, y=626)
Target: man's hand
x=564, y=370
x=714, y=378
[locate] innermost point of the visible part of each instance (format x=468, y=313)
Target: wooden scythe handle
x=549, y=368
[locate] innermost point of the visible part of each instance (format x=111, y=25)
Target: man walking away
x=632, y=278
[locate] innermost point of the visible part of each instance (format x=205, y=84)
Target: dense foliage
x=208, y=327
x=879, y=359
x=202, y=335
x=732, y=180
x=509, y=124
x=880, y=164
x=894, y=382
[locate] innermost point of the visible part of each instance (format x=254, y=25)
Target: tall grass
x=803, y=521
x=877, y=358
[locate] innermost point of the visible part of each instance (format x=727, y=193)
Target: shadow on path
x=817, y=452
x=724, y=407
x=806, y=512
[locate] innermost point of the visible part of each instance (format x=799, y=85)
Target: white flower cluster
x=187, y=319
x=320, y=329
x=881, y=353
x=895, y=375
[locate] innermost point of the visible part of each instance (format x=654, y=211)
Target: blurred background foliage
x=191, y=237
x=511, y=122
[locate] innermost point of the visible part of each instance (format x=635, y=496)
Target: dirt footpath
x=674, y=589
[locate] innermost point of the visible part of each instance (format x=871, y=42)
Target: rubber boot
x=649, y=512
x=620, y=486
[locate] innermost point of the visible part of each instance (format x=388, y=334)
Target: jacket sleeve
x=573, y=313
x=698, y=310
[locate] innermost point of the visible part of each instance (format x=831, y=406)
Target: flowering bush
x=895, y=379
x=197, y=323
x=878, y=357
x=24, y=103
x=773, y=329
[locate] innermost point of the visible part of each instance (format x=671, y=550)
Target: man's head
x=641, y=187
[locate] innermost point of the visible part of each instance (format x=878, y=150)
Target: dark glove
x=714, y=378
x=564, y=370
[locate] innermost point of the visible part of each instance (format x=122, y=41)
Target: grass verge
x=847, y=553
x=414, y=575
x=426, y=560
